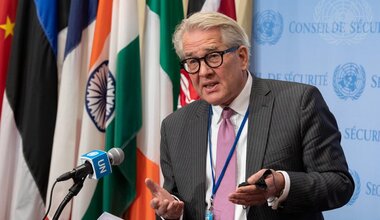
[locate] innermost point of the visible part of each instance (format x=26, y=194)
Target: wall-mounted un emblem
x=356, y=193
x=343, y=20
x=100, y=96
x=268, y=27
x=349, y=81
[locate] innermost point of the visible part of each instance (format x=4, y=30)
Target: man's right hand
x=164, y=204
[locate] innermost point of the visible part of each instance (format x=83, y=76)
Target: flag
x=244, y=15
x=160, y=82
x=226, y=7
x=95, y=109
x=30, y=104
x=122, y=107
x=76, y=59
x=187, y=91
x=7, y=23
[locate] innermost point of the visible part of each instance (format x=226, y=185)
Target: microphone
x=96, y=164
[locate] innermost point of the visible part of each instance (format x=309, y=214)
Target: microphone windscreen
x=116, y=156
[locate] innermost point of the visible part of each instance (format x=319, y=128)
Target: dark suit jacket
x=290, y=128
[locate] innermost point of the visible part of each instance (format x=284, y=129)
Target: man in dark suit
x=287, y=143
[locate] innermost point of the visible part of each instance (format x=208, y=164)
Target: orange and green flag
x=160, y=80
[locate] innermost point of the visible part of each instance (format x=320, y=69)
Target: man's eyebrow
x=208, y=50
x=211, y=49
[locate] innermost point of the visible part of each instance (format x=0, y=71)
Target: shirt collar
x=240, y=103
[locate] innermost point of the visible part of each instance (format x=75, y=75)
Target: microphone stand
x=73, y=191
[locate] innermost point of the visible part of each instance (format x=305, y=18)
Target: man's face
x=221, y=85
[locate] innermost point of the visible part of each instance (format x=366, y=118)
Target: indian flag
x=94, y=103
x=121, y=86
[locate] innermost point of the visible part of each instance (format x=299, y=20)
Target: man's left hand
x=251, y=194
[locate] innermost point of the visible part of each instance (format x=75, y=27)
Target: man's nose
x=204, y=69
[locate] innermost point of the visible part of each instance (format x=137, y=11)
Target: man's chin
x=212, y=100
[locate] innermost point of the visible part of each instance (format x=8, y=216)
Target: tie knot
x=227, y=113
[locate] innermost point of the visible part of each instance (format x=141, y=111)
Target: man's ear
x=243, y=56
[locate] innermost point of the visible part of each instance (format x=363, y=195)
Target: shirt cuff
x=274, y=202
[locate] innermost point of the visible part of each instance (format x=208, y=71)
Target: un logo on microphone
x=100, y=96
x=349, y=81
x=268, y=27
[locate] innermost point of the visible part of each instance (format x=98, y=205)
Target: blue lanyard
x=216, y=185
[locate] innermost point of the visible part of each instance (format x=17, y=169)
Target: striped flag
x=7, y=23
x=71, y=98
x=115, y=192
x=226, y=7
x=161, y=84
x=30, y=104
x=187, y=91
x=94, y=109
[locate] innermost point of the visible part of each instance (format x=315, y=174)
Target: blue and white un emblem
x=349, y=81
x=100, y=96
x=356, y=193
x=343, y=21
x=268, y=27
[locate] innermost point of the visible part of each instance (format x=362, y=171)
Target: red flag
x=227, y=7
x=7, y=22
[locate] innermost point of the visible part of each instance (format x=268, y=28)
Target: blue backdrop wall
x=334, y=45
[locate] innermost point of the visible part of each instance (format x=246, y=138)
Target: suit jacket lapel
x=260, y=115
x=198, y=150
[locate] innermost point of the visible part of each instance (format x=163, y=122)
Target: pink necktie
x=224, y=209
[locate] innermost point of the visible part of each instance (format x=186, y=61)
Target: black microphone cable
x=51, y=197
